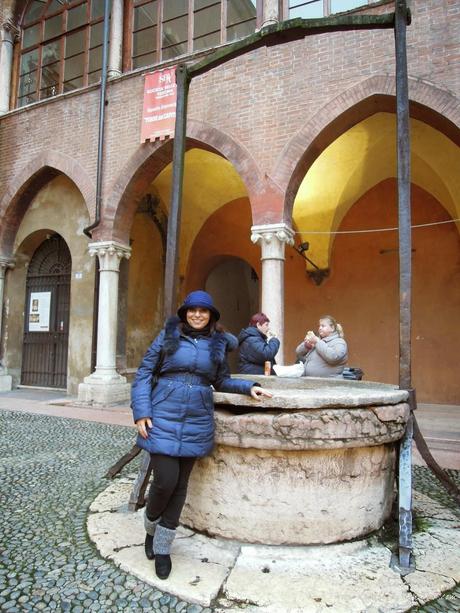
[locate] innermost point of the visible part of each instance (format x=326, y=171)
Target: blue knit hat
x=198, y=298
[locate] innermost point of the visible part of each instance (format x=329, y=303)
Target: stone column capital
x=272, y=238
x=9, y=32
x=6, y=262
x=109, y=253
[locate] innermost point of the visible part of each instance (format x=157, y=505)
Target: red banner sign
x=160, y=95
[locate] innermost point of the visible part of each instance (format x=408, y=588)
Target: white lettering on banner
x=155, y=90
x=159, y=117
x=159, y=108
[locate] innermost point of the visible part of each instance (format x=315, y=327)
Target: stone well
x=314, y=464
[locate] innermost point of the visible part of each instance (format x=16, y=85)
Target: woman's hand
x=143, y=425
x=257, y=392
x=311, y=339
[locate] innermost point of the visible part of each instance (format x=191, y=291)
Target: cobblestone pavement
x=51, y=469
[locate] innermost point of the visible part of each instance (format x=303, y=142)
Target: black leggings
x=169, y=488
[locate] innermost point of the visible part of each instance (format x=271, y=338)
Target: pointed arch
x=28, y=182
x=435, y=106
x=151, y=158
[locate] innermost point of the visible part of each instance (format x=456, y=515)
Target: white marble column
x=272, y=239
x=270, y=12
x=105, y=385
x=8, y=34
x=6, y=381
x=114, y=68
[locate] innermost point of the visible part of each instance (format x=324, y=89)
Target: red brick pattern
x=270, y=112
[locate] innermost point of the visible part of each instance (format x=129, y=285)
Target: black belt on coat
x=186, y=377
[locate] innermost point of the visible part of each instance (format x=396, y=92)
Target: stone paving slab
x=339, y=578
x=191, y=581
x=343, y=578
x=201, y=565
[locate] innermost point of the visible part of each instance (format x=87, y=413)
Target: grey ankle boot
x=150, y=527
x=162, y=542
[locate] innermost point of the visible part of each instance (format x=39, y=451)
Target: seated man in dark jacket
x=257, y=346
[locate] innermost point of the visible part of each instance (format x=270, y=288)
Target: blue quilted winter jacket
x=255, y=350
x=181, y=404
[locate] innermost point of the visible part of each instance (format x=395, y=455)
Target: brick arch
x=234, y=151
x=432, y=105
x=150, y=159
x=27, y=183
x=133, y=180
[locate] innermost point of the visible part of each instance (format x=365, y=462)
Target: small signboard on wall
x=160, y=96
x=39, y=311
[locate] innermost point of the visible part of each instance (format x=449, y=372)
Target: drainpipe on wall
x=100, y=157
x=100, y=144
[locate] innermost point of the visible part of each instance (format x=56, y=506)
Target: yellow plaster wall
x=362, y=293
x=145, y=288
x=362, y=157
x=210, y=181
x=58, y=207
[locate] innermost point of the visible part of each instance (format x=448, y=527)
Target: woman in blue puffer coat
x=175, y=420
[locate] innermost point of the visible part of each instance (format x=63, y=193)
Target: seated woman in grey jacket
x=324, y=355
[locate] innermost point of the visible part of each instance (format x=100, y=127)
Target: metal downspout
x=100, y=157
x=100, y=144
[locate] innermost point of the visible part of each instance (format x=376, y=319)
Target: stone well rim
x=293, y=393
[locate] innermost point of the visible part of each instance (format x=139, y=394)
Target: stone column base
x=6, y=382
x=101, y=390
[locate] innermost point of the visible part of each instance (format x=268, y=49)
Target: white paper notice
x=39, y=311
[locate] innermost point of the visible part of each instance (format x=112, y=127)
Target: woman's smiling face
x=198, y=317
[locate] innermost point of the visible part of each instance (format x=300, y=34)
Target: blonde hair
x=335, y=324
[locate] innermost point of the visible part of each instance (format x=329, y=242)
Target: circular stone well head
x=313, y=464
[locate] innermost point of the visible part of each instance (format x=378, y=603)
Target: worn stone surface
x=192, y=580
x=201, y=564
x=291, y=497
x=300, y=579
x=113, y=499
x=438, y=549
x=48, y=563
x=432, y=510
x=428, y=585
x=315, y=398
x=318, y=383
x=312, y=429
x=349, y=577
x=114, y=531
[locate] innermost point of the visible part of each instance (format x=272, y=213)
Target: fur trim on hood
x=220, y=341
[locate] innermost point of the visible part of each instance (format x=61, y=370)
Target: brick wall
x=261, y=100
